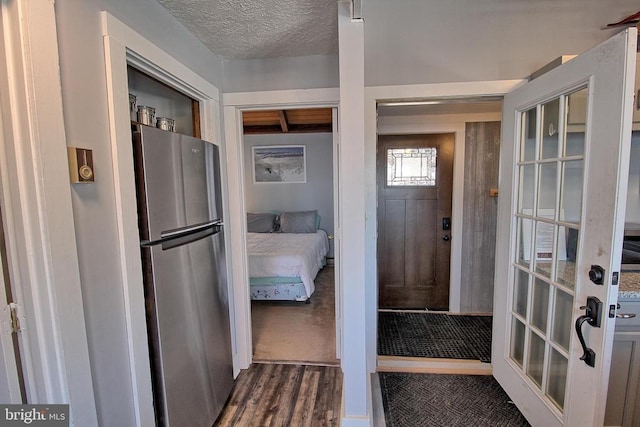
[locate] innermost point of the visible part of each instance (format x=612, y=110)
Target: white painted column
x=356, y=408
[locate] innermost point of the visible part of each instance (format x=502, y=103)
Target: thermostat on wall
x=80, y=165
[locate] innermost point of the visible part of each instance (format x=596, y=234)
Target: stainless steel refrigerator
x=185, y=285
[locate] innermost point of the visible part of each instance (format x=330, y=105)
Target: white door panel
x=563, y=181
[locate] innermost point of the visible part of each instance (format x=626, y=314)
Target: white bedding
x=287, y=255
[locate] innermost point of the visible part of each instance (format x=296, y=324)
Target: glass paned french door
x=547, y=218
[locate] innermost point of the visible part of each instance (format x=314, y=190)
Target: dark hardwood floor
x=284, y=395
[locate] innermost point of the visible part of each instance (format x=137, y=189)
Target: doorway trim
x=233, y=105
x=376, y=94
x=123, y=46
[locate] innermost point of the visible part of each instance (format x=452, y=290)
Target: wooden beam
x=283, y=121
x=320, y=128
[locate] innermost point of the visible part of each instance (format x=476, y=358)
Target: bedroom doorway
x=289, y=198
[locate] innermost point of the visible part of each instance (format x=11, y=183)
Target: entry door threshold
x=433, y=366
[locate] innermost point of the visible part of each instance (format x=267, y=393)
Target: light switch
x=80, y=165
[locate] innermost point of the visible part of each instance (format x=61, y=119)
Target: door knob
x=446, y=237
x=596, y=274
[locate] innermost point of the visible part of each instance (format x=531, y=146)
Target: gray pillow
x=298, y=222
x=261, y=222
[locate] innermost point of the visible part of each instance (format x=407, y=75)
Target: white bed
x=276, y=260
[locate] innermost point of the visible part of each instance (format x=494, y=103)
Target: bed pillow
x=298, y=222
x=261, y=222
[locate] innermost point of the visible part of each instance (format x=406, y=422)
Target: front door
x=415, y=174
x=563, y=183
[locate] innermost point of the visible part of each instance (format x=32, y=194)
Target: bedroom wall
x=316, y=193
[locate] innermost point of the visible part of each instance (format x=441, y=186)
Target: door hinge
x=15, y=320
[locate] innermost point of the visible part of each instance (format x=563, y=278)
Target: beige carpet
x=285, y=331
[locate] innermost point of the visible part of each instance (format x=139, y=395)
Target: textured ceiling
x=250, y=29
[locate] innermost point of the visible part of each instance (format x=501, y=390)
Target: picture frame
x=279, y=164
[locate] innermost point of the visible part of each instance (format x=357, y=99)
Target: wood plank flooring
x=268, y=395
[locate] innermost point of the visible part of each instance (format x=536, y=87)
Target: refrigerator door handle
x=168, y=237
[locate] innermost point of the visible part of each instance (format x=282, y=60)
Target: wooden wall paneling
x=482, y=145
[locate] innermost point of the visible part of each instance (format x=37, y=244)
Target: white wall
x=303, y=72
x=433, y=41
x=315, y=194
x=87, y=125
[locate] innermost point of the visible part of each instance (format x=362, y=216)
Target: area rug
x=435, y=335
x=433, y=400
x=295, y=332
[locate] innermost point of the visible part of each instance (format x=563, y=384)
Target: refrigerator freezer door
x=173, y=175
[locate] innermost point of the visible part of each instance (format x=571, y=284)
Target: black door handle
x=446, y=237
x=593, y=316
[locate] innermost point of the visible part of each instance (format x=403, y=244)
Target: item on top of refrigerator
x=165, y=123
x=146, y=115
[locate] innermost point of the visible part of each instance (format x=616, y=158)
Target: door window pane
x=547, y=182
x=577, y=103
x=557, y=378
x=517, y=341
x=525, y=232
x=540, y=306
x=550, y=125
x=544, y=247
x=415, y=167
x=562, y=316
x=567, y=251
x=527, y=189
x=520, y=294
x=528, y=144
x=535, y=360
x=571, y=191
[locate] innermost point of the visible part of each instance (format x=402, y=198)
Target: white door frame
x=38, y=216
x=234, y=105
x=124, y=46
x=375, y=94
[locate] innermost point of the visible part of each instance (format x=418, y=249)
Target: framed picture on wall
x=279, y=163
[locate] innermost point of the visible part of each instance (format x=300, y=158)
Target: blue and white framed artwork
x=279, y=163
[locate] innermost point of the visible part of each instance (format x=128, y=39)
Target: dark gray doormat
x=434, y=400
x=434, y=335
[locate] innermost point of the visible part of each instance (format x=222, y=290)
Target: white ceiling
x=251, y=29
